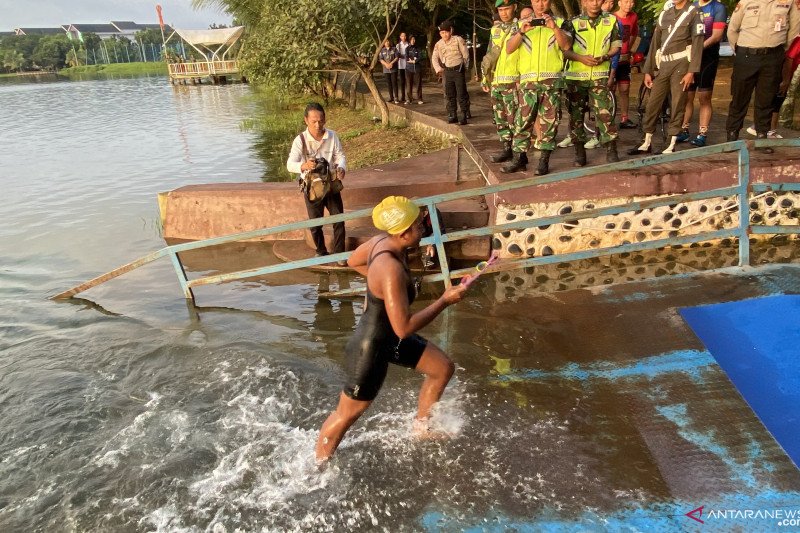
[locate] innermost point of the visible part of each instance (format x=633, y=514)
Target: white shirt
x=329, y=147
x=401, y=48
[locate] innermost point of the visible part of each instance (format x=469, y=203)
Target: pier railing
x=199, y=69
x=741, y=190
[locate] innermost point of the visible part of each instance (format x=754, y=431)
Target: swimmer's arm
x=403, y=322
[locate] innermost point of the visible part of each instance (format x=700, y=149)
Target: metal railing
x=203, y=68
x=742, y=189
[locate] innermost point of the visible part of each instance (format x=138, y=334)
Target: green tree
x=51, y=52
x=294, y=42
x=13, y=60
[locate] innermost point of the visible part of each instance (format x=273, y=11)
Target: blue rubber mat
x=757, y=343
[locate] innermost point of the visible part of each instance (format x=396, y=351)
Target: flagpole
x=163, y=39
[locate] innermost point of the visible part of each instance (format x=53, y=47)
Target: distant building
x=117, y=28
x=39, y=31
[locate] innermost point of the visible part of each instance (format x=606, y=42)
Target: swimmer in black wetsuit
x=386, y=331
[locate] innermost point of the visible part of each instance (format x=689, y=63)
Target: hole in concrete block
x=530, y=238
x=566, y=210
x=682, y=210
x=511, y=216
x=668, y=216
x=547, y=251
x=515, y=249
x=769, y=200
x=626, y=225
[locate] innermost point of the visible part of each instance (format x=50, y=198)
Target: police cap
x=504, y=3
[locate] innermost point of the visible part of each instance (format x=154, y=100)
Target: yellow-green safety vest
x=594, y=41
x=540, y=57
x=506, y=69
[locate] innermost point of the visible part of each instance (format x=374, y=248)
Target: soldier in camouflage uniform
x=540, y=43
x=500, y=77
x=595, y=39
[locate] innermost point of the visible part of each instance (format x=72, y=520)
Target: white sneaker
x=592, y=143
x=772, y=134
x=751, y=130
x=566, y=143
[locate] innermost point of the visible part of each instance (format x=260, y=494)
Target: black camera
x=537, y=22
x=321, y=166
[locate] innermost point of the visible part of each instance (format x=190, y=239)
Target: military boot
x=580, y=155
x=520, y=162
x=544, y=163
x=505, y=155
x=611, y=152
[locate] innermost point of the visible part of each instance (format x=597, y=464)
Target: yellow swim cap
x=395, y=214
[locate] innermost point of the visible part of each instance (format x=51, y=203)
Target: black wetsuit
x=375, y=344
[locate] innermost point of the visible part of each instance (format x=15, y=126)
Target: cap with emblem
x=446, y=26
x=504, y=3
x=395, y=214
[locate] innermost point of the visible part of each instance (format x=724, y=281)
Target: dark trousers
x=391, y=81
x=761, y=72
x=411, y=78
x=401, y=81
x=667, y=82
x=333, y=203
x=455, y=88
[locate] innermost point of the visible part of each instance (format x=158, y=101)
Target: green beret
x=501, y=3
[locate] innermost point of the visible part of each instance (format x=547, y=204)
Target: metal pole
x=744, y=205
x=474, y=42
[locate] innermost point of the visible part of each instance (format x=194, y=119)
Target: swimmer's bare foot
x=421, y=430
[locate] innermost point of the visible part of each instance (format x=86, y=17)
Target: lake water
x=127, y=410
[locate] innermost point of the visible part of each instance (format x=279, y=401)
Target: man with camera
x=540, y=62
x=318, y=151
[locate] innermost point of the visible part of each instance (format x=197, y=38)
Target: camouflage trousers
x=504, y=99
x=540, y=101
x=597, y=94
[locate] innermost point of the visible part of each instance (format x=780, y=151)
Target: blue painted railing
x=742, y=189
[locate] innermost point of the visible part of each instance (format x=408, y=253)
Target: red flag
x=160, y=18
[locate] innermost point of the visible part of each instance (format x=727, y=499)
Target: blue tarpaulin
x=757, y=343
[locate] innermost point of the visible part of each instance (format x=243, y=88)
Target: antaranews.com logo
x=781, y=517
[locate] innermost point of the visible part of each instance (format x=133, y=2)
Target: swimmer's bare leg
x=337, y=424
x=438, y=369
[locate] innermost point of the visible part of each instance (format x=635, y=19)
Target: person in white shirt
x=320, y=143
x=401, y=69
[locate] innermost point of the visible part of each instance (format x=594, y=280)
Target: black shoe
x=544, y=163
x=505, y=155
x=627, y=124
x=636, y=151
x=580, y=155
x=611, y=152
x=732, y=136
x=452, y=120
x=763, y=149
x=520, y=162
x=463, y=121
x=320, y=254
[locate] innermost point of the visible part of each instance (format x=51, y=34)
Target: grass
x=365, y=142
x=129, y=69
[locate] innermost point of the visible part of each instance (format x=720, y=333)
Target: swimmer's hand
x=454, y=294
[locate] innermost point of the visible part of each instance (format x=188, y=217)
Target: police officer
x=540, y=63
x=758, y=31
x=501, y=81
x=595, y=39
x=676, y=51
x=450, y=60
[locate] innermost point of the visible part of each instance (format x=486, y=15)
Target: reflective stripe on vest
x=506, y=69
x=593, y=41
x=539, y=54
